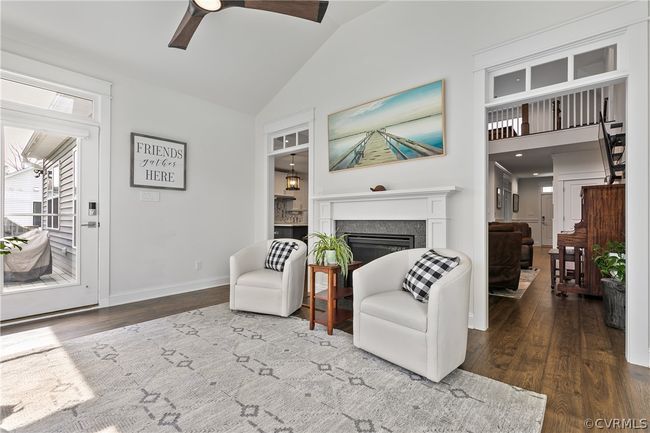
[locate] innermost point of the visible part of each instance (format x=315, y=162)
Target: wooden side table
x=332, y=315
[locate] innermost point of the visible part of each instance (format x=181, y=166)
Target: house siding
x=61, y=239
x=21, y=191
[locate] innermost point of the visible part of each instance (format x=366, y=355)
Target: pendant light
x=293, y=181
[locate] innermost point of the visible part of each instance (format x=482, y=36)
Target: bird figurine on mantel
x=378, y=188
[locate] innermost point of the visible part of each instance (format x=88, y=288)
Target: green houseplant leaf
x=8, y=245
x=610, y=260
x=325, y=242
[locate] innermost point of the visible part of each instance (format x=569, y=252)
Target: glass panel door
x=39, y=175
x=47, y=165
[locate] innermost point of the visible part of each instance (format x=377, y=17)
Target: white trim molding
x=626, y=23
x=428, y=204
x=300, y=120
x=159, y=292
x=99, y=91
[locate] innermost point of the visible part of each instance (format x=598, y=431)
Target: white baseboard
x=158, y=292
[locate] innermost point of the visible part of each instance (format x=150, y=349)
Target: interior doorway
x=290, y=216
x=547, y=219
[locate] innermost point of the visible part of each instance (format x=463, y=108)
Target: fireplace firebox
x=370, y=246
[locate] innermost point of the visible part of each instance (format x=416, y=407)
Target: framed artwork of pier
x=400, y=127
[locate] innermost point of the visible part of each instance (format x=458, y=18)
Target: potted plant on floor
x=331, y=250
x=610, y=260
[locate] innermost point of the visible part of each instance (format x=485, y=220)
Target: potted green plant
x=7, y=245
x=331, y=250
x=610, y=260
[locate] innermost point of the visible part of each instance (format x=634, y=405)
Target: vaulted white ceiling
x=238, y=58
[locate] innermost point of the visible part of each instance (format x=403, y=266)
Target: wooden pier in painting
x=379, y=147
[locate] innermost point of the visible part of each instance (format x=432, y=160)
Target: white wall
x=154, y=245
x=365, y=60
x=498, y=177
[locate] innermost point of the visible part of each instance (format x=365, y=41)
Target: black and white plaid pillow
x=278, y=255
x=425, y=272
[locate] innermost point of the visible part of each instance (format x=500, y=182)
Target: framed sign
x=157, y=162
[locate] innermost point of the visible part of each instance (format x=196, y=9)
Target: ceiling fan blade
x=313, y=10
x=186, y=28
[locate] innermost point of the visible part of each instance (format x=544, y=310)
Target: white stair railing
x=562, y=111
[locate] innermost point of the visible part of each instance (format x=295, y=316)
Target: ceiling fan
x=313, y=10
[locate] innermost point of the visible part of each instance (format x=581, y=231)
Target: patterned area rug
x=525, y=280
x=212, y=370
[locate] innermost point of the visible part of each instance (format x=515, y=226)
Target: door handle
x=91, y=224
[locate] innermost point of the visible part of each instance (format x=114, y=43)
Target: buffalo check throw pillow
x=278, y=255
x=425, y=272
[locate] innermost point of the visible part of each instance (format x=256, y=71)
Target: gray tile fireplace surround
x=417, y=228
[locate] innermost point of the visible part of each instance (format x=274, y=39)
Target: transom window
x=39, y=97
x=575, y=66
x=290, y=139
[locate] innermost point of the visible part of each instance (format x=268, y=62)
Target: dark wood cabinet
x=291, y=232
x=603, y=220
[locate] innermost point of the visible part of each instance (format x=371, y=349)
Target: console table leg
x=312, y=299
x=331, y=292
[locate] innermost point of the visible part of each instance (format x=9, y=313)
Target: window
x=549, y=73
x=37, y=207
x=547, y=189
x=33, y=96
x=594, y=62
x=52, y=191
x=303, y=137
x=291, y=139
x=507, y=84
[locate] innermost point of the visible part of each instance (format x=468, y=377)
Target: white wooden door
x=547, y=219
x=49, y=180
x=572, y=208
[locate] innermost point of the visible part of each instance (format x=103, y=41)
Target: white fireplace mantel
x=428, y=204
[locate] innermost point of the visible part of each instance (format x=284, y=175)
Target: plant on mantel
x=330, y=250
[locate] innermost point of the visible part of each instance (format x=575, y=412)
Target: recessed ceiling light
x=535, y=174
x=519, y=155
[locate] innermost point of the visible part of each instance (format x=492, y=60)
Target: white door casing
x=572, y=209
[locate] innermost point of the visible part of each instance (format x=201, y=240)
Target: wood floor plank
x=554, y=345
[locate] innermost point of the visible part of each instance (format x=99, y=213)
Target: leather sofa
x=428, y=339
x=260, y=290
x=504, y=256
x=527, y=243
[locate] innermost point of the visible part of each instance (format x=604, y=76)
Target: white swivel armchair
x=257, y=289
x=428, y=339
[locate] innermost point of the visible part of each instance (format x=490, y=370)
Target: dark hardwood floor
x=556, y=346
